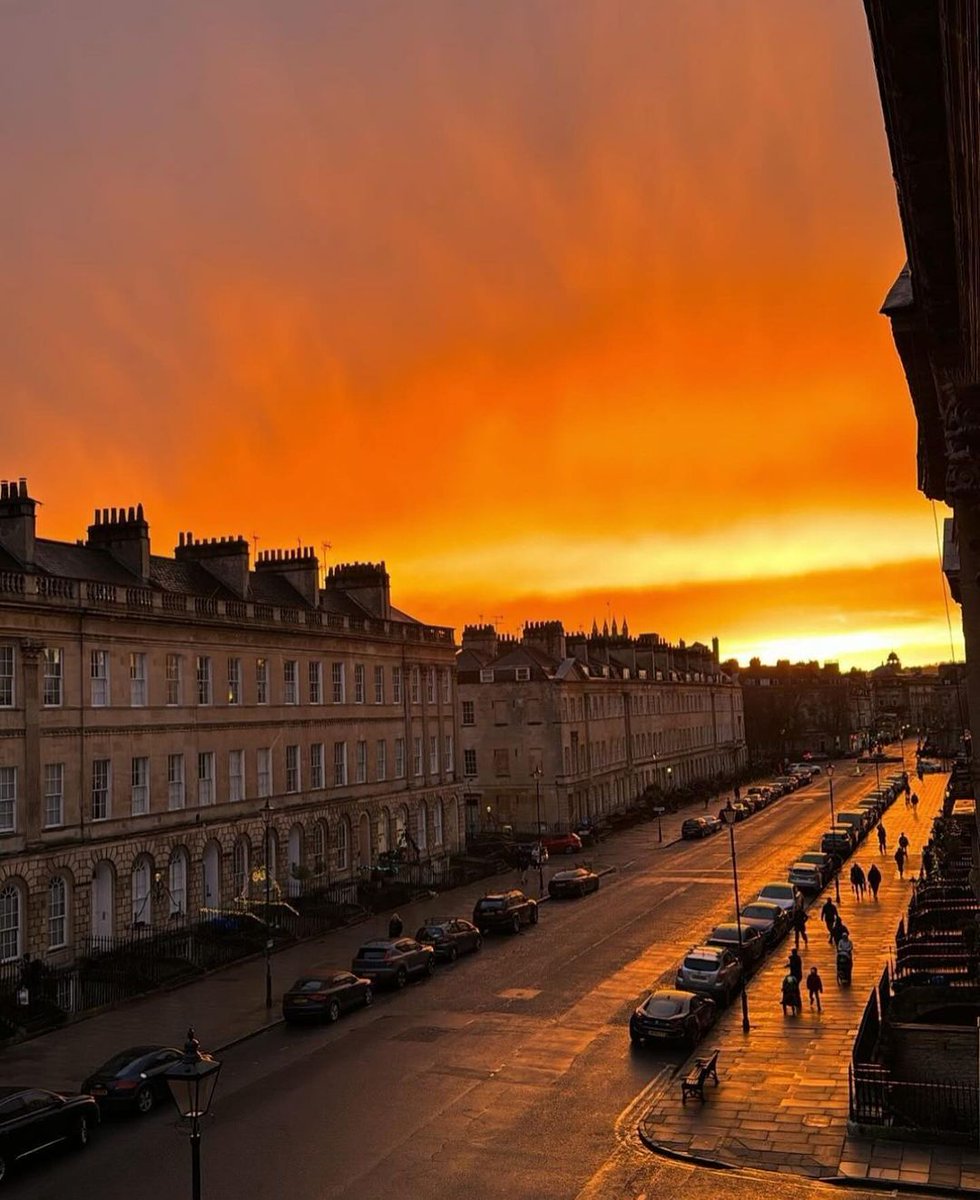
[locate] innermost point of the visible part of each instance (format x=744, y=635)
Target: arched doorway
x=211, y=864
x=103, y=900
x=142, y=900
x=364, y=840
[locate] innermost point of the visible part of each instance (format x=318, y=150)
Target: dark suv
x=393, y=960
x=505, y=910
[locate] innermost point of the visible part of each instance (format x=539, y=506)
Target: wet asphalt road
x=509, y=1073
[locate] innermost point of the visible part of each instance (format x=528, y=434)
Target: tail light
x=320, y=996
x=124, y=1085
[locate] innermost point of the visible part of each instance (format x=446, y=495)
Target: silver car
x=710, y=970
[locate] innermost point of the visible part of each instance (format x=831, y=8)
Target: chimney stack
x=124, y=534
x=300, y=567
x=225, y=559
x=17, y=520
x=369, y=584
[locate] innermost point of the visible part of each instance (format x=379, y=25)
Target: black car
x=31, y=1120
x=577, y=881
x=133, y=1079
x=393, y=960
x=770, y=920
x=697, y=827
x=504, y=910
x=672, y=1016
x=324, y=995
x=449, y=939
x=750, y=950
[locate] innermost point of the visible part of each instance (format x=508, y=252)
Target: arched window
x=178, y=883
x=142, y=906
x=10, y=931
x=240, y=867
x=343, y=844
x=320, y=849
x=423, y=825
x=57, y=913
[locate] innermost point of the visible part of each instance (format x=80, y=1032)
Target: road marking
x=627, y=1142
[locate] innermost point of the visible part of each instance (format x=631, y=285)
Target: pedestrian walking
x=795, y=965
x=858, y=882
x=738, y=793
x=915, y=804
x=829, y=915
x=903, y=842
x=524, y=862
x=395, y=926
x=814, y=986
x=800, y=919
x=882, y=839
x=908, y=793
x=839, y=931
x=900, y=857
x=874, y=880
x=791, y=995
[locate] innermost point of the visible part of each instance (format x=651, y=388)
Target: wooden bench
x=693, y=1082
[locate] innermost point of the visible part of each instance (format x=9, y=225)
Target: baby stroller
x=845, y=963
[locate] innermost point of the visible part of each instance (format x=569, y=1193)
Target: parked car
x=839, y=841
x=770, y=919
x=789, y=782
x=673, y=1016
x=859, y=818
x=777, y=892
x=504, y=910
x=749, y=950
x=806, y=876
x=741, y=812
x=32, y=1120
x=133, y=1079
x=324, y=995
x=827, y=863
x=699, y=827
x=873, y=805
x=562, y=843
x=578, y=881
x=588, y=833
x=393, y=961
x=711, y=970
x=449, y=939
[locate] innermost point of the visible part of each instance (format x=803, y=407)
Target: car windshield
x=701, y=962
x=726, y=933
x=125, y=1058
x=763, y=911
x=372, y=952
x=309, y=985
x=493, y=904
x=813, y=858
x=663, y=1007
x=431, y=931
x=783, y=890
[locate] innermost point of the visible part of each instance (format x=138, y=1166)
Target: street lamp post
x=873, y=746
x=192, y=1082
x=833, y=823
x=267, y=819
x=729, y=817
x=537, y=793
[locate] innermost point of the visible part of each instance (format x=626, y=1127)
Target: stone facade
x=556, y=727
x=158, y=714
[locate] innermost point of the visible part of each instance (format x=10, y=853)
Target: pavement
x=782, y=1099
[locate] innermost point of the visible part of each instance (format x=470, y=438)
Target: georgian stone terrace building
x=156, y=712
x=587, y=722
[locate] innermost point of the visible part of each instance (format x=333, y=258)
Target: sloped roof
x=169, y=575
x=71, y=561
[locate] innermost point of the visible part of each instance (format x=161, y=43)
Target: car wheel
x=144, y=1100
x=401, y=978
x=478, y=944
x=453, y=954
x=534, y=915
x=333, y=1011
x=636, y=1039
x=81, y=1135
x=515, y=924
x=368, y=997
x=430, y=964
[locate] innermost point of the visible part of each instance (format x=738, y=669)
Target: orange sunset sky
x=564, y=309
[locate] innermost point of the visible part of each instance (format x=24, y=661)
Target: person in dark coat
x=799, y=926
x=882, y=839
x=900, y=857
x=791, y=996
x=795, y=965
x=858, y=882
x=839, y=931
x=874, y=879
x=395, y=926
x=829, y=917
x=814, y=985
